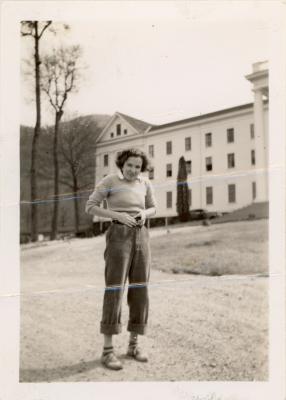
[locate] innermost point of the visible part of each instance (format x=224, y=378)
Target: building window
x=151, y=150
x=118, y=129
x=230, y=135
x=112, y=134
x=189, y=166
x=230, y=160
x=151, y=173
x=252, y=131
x=253, y=190
x=104, y=204
x=209, y=164
x=125, y=131
x=169, y=199
x=105, y=160
x=188, y=143
x=190, y=197
x=208, y=139
x=231, y=193
x=169, y=147
x=169, y=170
x=252, y=157
x=209, y=195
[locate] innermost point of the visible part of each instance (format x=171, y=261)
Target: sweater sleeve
x=101, y=192
x=150, y=200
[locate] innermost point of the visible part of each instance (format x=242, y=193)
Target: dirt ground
x=200, y=328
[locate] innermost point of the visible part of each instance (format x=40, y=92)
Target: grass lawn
x=221, y=249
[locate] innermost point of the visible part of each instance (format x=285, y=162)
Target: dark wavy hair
x=125, y=154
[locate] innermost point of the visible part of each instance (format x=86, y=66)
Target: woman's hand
x=126, y=219
x=142, y=216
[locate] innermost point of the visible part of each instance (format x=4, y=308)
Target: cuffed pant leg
x=138, y=298
x=111, y=312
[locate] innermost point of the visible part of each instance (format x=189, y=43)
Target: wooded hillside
x=73, y=133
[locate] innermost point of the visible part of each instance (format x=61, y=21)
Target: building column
x=258, y=115
x=259, y=80
x=260, y=139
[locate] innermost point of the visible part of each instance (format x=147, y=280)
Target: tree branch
x=47, y=91
x=44, y=28
x=66, y=157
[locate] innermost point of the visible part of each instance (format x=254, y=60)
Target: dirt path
x=200, y=328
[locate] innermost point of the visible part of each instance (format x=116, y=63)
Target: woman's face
x=132, y=168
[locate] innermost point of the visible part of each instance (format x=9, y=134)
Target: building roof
x=138, y=124
x=143, y=126
x=201, y=117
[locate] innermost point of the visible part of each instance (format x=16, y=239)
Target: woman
x=130, y=200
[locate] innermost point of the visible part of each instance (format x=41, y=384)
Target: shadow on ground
x=52, y=374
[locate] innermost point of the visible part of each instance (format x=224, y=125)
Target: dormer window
x=118, y=129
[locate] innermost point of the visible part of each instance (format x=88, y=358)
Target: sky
x=160, y=61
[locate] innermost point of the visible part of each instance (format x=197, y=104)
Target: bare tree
x=60, y=77
x=76, y=148
x=76, y=151
x=35, y=29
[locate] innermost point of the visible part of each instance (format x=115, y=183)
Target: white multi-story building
x=225, y=152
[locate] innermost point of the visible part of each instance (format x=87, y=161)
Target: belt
x=115, y=221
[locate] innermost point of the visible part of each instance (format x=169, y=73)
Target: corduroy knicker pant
x=127, y=255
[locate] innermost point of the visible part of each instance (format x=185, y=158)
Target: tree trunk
x=76, y=205
x=54, y=230
x=37, y=130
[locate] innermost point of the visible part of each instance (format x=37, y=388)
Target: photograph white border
x=10, y=388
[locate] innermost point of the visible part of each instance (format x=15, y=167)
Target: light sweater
x=122, y=195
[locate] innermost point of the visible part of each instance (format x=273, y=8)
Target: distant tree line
x=76, y=163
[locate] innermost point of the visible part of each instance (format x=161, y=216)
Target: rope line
x=222, y=177
x=138, y=285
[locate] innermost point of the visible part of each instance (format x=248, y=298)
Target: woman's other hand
x=126, y=219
